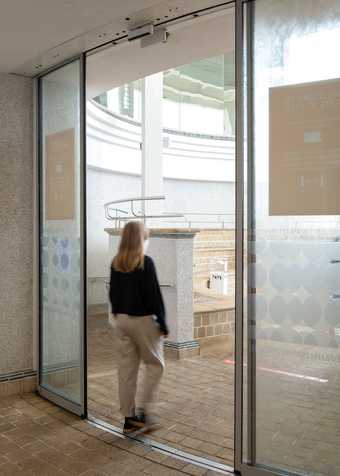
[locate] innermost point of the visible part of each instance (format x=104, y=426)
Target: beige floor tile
x=155, y=470
x=74, y=466
x=6, y=445
x=194, y=470
x=94, y=472
x=3, y=460
x=69, y=448
x=174, y=463
x=52, y=457
x=10, y=469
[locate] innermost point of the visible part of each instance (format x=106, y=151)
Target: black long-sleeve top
x=137, y=293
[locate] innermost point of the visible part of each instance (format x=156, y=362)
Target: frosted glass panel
x=60, y=234
x=296, y=255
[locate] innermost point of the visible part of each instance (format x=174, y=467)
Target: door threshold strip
x=162, y=448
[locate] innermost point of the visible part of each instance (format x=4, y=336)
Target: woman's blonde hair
x=131, y=248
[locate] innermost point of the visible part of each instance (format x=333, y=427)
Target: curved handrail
x=120, y=215
x=135, y=199
x=141, y=216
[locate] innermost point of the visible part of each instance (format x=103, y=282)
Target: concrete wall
x=103, y=187
x=16, y=224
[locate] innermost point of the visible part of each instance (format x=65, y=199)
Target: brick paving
x=298, y=419
x=298, y=404
x=298, y=411
x=38, y=438
x=196, y=398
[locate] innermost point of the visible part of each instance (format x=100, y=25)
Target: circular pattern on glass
x=55, y=260
x=44, y=258
x=332, y=276
x=279, y=249
x=259, y=246
x=332, y=314
x=311, y=312
x=279, y=276
x=64, y=243
x=310, y=339
x=64, y=284
x=45, y=280
x=64, y=260
x=295, y=310
x=310, y=278
x=260, y=275
x=293, y=278
x=260, y=305
x=311, y=251
x=278, y=309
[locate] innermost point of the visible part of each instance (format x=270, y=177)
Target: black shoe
x=132, y=424
x=150, y=424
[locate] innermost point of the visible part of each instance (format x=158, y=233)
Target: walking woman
x=139, y=313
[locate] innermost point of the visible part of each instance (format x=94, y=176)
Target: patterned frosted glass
x=296, y=270
x=60, y=234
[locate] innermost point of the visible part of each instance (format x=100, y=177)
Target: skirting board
x=17, y=383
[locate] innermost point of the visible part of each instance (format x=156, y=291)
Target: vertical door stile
x=62, y=235
x=239, y=234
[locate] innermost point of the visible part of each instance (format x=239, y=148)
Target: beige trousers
x=139, y=339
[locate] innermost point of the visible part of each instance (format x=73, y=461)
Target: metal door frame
x=80, y=409
x=245, y=458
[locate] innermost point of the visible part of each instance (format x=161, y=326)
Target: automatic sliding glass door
x=61, y=241
x=293, y=290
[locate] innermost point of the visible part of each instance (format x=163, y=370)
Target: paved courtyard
x=195, y=403
x=298, y=408
x=297, y=405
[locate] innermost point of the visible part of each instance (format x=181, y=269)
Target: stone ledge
x=176, y=233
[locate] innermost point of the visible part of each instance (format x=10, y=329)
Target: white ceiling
x=204, y=37
x=45, y=32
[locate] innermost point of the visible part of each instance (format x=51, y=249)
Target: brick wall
x=211, y=248
x=214, y=323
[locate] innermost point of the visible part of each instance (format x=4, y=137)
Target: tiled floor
x=37, y=438
x=195, y=405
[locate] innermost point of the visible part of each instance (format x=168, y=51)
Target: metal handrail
x=118, y=218
x=140, y=215
x=135, y=199
x=219, y=220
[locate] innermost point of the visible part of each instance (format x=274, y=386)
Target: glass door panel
x=61, y=237
x=294, y=268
